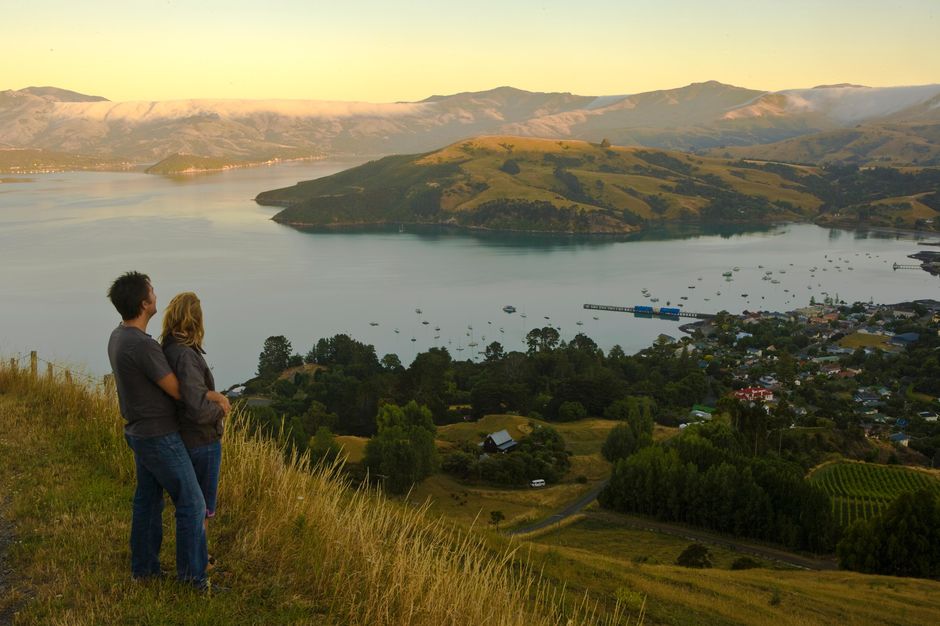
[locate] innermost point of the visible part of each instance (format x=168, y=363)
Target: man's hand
x=221, y=400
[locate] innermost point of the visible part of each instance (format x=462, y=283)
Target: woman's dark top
x=200, y=419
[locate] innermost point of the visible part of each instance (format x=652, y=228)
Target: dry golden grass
x=298, y=544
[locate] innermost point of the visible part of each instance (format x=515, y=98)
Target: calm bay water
x=65, y=236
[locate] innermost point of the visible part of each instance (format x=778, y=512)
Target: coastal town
x=853, y=356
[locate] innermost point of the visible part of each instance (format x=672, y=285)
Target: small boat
x=473, y=344
x=425, y=322
x=437, y=329
x=726, y=274
x=775, y=282
x=654, y=299
x=396, y=331
x=743, y=295
x=413, y=339
x=509, y=309
x=683, y=297
x=418, y=311
x=736, y=268
x=691, y=286
x=579, y=323
x=437, y=336
x=523, y=315
x=373, y=323
x=547, y=317
x=597, y=318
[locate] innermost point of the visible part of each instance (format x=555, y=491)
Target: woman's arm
x=196, y=396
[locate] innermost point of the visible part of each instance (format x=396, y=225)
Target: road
x=685, y=532
x=568, y=511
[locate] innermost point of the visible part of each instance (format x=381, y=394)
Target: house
x=752, y=394
x=905, y=339
x=900, y=439
x=928, y=416
x=499, y=441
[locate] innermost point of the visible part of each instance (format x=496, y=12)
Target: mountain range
x=900, y=125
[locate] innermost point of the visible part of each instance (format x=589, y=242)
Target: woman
x=202, y=408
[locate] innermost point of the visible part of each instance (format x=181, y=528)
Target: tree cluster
x=705, y=478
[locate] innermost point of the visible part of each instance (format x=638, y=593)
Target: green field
x=862, y=490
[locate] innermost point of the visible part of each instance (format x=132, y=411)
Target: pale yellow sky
x=383, y=51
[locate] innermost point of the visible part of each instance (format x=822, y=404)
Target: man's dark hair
x=128, y=293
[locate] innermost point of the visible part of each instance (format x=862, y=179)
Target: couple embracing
x=173, y=423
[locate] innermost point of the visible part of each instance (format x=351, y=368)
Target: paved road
x=568, y=511
x=685, y=532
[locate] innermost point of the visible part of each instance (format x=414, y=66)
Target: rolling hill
x=522, y=184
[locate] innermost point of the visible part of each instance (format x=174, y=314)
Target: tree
x=571, y=411
x=403, y=451
x=495, y=518
x=622, y=442
x=494, y=352
x=274, y=357
x=323, y=446
x=904, y=540
x=696, y=555
x=510, y=166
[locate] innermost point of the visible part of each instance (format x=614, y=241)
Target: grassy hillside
x=524, y=184
x=861, y=490
x=874, y=144
x=295, y=544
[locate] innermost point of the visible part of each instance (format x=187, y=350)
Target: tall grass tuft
x=341, y=555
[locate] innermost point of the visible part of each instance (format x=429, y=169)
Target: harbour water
x=65, y=236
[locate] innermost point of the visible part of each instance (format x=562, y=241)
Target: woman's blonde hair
x=183, y=320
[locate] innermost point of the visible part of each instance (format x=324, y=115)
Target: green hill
x=523, y=184
x=875, y=144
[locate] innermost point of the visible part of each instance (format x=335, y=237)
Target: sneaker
x=160, y=575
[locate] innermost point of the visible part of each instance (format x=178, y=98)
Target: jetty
x=651, y=311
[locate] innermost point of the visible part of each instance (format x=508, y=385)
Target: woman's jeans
x=163, y=464
x=207, y=460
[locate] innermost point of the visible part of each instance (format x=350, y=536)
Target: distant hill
x=900, y=144
x=698, y=116
x=524, y=184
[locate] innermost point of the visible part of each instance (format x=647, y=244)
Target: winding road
x=685, y=532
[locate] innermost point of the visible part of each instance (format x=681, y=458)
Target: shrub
x=696, y=555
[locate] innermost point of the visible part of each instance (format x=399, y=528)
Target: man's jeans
x=163, y=463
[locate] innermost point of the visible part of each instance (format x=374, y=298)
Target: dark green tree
x=274, y=357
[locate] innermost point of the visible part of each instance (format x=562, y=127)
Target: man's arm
x=171, y=386
x=220, y=399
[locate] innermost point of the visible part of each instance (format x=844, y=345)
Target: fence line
x=52, y=367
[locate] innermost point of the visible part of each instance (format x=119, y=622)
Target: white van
x=538, y=482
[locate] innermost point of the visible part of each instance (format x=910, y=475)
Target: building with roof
x=499, y=442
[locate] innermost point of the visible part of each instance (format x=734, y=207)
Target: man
x=147, y=388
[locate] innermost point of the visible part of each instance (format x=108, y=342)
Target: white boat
x=509, y=308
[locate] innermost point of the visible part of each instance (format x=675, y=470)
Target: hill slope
x=294, y=545
x=523, y=184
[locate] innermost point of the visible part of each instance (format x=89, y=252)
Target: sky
x=386, y=51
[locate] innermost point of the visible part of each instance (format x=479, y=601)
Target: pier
x=651, y=311
x=908, y=266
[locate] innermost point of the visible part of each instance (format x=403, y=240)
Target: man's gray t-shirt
x=137, y=362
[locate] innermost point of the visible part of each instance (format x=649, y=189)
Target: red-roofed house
x=752, y=394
